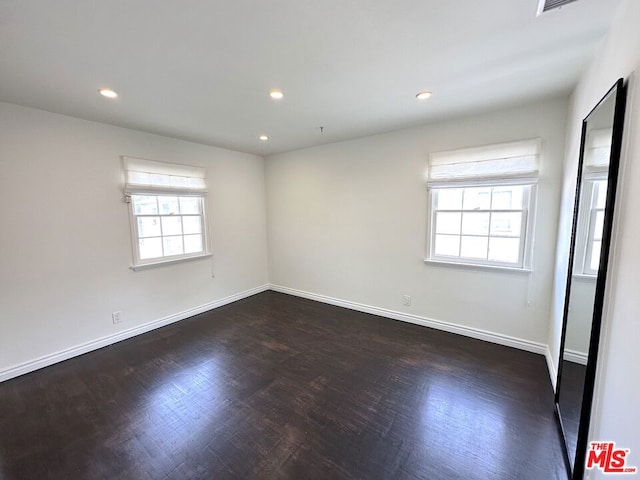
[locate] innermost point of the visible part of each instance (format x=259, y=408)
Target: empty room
x=319, y=240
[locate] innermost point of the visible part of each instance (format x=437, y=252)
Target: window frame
x=587, y=212
x=138, y=262
x=527, y=225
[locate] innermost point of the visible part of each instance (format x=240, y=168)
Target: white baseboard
x=551, y=365
x=477, y=333
x=68, y=353
x=575, y=356
x=570, y=355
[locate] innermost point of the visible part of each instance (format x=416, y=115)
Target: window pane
x=193, y=243
x=595, y=255
x=172, y=245
x=150, y=248
x=448, y=222
x=507, y=198
x=474, y=247
x=507, y=224
x=168, y=205
x=504, y=249
x=447, y=245
x=149, y=227
x=477, y=198
x=450, y=199
x=171, y=226
x=191, y=224
x=145, y=204
x=475, y=223
x=190, y=205
x=598, y=226
x=601, y=195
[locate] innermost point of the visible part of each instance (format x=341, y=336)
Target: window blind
x=514, y=162
x=597, y=152
x=149, y=176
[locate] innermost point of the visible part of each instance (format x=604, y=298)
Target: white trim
x=478, y=266
x=182, y=258
x=476, y=333
x=492, y=337
x=551, y=366
x=81, y=349
x=583, y=277
x=575, y=356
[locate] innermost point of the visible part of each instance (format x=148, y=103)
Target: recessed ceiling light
x=423, y=95
x=276, y=94
x=107, y=92
x=264, y=138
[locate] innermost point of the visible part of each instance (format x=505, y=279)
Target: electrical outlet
x=406, y=300
x=116, y=317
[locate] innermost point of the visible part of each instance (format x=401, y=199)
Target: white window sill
x=159, y=263
x=584, y=277
x=476, y=266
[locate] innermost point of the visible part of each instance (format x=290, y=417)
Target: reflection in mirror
x=599, y=157
x=574, y=362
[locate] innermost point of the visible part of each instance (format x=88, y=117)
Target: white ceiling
x=201, y=70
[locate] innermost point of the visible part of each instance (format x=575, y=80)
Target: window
x=480, y=224
x=480, y=205
x=592, y=202
x=595, y=198
x=166, y=226
x=167, y=211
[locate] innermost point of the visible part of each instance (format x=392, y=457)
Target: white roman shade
x=597, y=152
x=515, y=162
x=149, y=176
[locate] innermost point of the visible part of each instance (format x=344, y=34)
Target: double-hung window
x=480, y=205
x=592, y=202
x=167, y=211
x=592, y=223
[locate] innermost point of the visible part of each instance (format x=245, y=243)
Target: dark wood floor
x=570, y=402
x=275, y=386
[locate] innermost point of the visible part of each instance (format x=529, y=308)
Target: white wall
x=349, y=221
x=65, y=246
x=615, y=415
x=583, y=292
